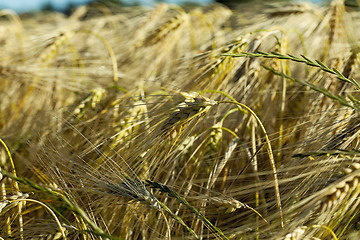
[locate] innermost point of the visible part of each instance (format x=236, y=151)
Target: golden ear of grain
x=53, y=46
x=336, y=21
x=190, y=105
x=350, y=64
x=127, y=124
x=100, y=159
x=215, y=138
x=297, y=234
x=91, y=101
x=228, y=205
x=344, y=188
x=166, y=29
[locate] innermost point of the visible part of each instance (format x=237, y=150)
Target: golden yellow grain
x=166, y=29
x=190, y=105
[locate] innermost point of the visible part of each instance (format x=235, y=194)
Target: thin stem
x=47, y=208
x=271, y=156
x=323, y=91
x=327, y=228
x=182, y=200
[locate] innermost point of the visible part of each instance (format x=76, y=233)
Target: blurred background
x=21, y=6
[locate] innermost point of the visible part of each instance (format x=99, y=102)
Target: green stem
x=304, y=59
x=323, y=91
x=165, y=189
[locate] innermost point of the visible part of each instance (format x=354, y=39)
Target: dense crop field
x=181, y=123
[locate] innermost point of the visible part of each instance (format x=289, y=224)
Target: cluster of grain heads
x=92, y=144
x=83, y=224
x=212, y=148
x=334, y=206
x=102, y=175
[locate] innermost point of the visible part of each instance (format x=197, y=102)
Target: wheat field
x=181, y=122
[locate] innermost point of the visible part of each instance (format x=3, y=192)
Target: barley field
x=181, y=122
